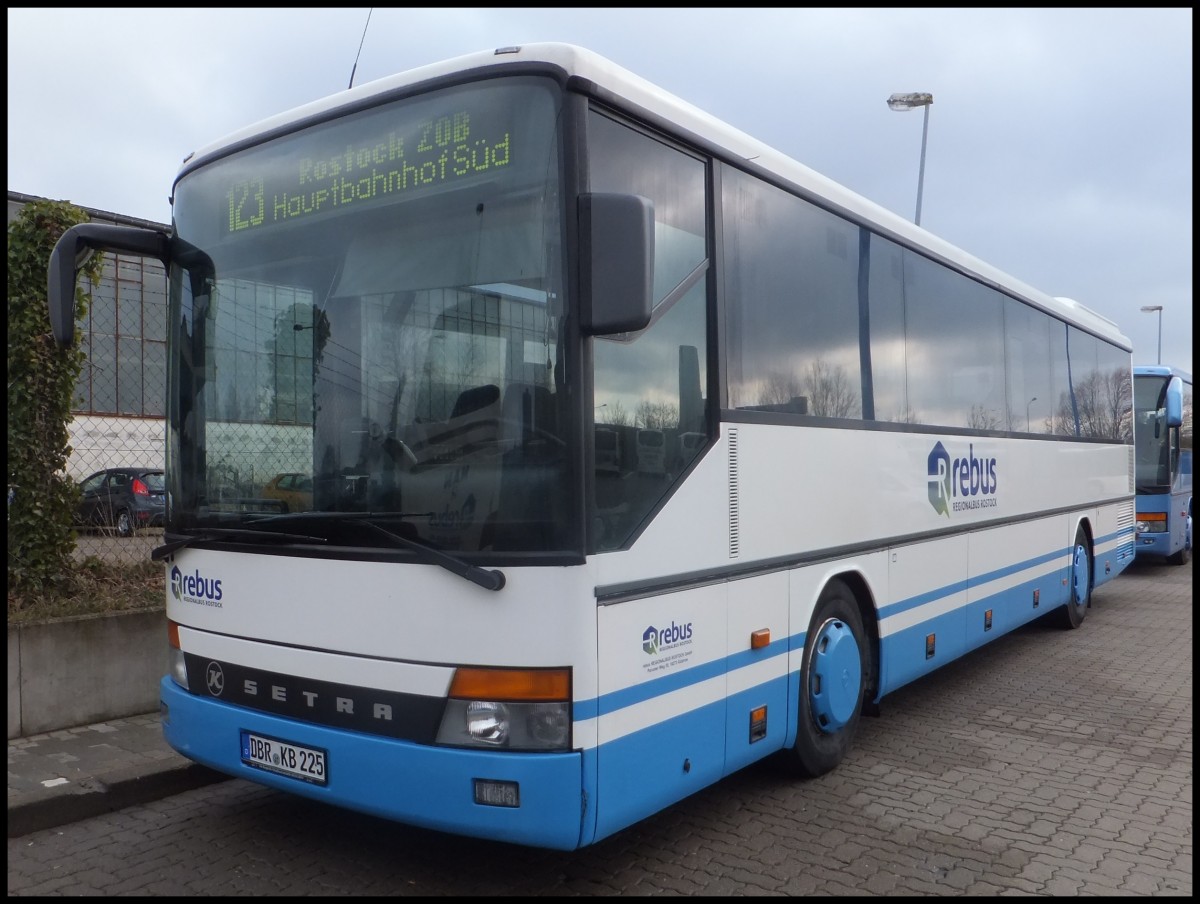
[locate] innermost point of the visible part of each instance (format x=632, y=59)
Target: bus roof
x=599, y=77
x=1161, y=370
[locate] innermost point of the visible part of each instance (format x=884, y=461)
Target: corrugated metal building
x=119, y=407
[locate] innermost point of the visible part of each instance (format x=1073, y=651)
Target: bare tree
x=984, y=418
x=656, y=415
x=829, y=391
x=779, y=388
x=615, y=415
x=1103, y=407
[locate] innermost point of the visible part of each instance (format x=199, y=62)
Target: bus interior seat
x=475, y=399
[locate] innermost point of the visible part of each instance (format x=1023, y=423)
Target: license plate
x=305, y=763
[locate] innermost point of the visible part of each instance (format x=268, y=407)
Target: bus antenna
x=354, y=68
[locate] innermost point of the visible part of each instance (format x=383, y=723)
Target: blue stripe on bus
x=658, y=687
x=906, y=656
x=958, y=586
x=744, y=658
x=649, y=769
x=648, y=760
x=947, y=624
x=921, y=599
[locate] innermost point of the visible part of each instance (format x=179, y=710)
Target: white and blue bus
x=1162, y=411
x=460, y=300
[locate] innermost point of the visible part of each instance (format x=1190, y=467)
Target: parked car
x=124, y=499
x=294, y=491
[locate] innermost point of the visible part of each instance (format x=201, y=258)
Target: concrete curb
x=34, y=811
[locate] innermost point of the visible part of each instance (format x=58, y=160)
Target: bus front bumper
x=429, y=787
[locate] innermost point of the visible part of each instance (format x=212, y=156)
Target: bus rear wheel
x=833, y=682
x=1079, y=596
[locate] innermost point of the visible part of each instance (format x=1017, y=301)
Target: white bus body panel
x=311, y=613
x=795, y=495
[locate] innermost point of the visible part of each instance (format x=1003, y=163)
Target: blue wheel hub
x=836, y=676
x=1080, y=579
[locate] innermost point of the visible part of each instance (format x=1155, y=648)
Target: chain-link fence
x=119, y=403
x=118, y=463
x=117, y=431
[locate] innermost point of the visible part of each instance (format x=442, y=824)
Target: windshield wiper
x=485, y=578
x=336, y=516
x=488, y=579
x=217, y=533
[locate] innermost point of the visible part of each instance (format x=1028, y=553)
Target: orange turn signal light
x=511, y=684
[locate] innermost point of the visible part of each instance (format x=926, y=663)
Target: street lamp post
x=1027, y=404
x=903, y=102
x=1150, y=309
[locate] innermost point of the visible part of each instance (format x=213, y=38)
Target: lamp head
x=910, y=101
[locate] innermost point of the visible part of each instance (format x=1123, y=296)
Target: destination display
x=489, y=131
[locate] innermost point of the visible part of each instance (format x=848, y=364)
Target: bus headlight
x=488, y=722
x=549, y=723
x=509, y=709
x=176, y=665
x=1154, y=522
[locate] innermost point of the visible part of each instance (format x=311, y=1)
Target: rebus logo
x=939, y=480
x=960, y=484
x=195, y=588
x=654, y=639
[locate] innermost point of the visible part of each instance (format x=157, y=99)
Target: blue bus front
x=1163, y=445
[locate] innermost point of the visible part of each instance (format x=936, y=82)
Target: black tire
x=124, y=523
x=834, y=678
x=1079, y=591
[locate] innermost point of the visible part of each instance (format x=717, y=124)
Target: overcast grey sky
x=1059, y=147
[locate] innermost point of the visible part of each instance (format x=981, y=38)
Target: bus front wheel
x=833, y=682
x=1079, y=594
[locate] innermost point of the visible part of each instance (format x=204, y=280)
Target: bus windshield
x=366, y=319
x=1151, y=436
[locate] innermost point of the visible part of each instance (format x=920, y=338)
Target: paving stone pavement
x=64, y=776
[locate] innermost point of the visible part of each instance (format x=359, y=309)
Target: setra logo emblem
x=214, y=678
